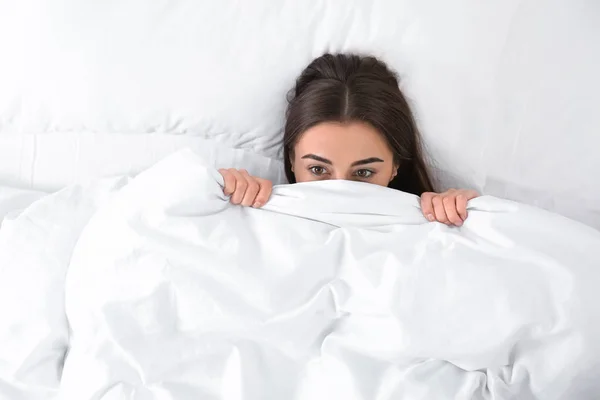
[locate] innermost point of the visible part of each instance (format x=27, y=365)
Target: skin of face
x=350, y=151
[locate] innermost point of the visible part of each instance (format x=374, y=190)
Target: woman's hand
x=244, y=189
x=449, y=208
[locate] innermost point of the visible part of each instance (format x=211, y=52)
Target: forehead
x=353, y=138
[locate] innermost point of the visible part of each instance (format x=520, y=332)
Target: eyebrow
x=367, y=161
x=317, y=158
x=354, y=164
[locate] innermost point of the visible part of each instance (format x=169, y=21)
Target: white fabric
x=335, y=290
x=51, y=162
x=35, y=250
x=506, y=92
x=15, y=200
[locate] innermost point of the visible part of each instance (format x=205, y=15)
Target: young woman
x=348, y=119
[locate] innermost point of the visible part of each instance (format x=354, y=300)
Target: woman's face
x=351, y=151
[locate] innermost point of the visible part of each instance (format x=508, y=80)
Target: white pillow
x=50, y=162
x=505, y=92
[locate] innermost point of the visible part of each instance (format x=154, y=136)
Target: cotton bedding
x=14, y=200
x=158, y=288
x=35, y=248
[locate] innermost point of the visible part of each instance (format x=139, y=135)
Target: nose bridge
x=340, y=175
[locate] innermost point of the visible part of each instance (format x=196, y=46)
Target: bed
x=107, y=108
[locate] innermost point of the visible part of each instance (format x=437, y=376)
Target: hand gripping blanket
x=333, y=290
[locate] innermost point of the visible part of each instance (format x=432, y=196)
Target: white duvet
x=334, y=290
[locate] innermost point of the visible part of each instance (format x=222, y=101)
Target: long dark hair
x=348, y=87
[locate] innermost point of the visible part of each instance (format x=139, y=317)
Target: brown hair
x=349, y=87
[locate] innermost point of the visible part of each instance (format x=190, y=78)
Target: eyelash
x=312, y=170
x=369, y=172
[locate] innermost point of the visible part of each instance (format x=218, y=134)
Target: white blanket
x=14, y=200
x=35, y=249
x=334, y=290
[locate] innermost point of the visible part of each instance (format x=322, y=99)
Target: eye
x=364, y=173
x=317, y=170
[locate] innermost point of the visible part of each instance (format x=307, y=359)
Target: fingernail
x=257, y=204
x=430, y=217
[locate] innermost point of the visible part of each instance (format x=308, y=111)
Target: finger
x=471, y=194
x=438, y=208
x=229, y=182
x=451, y=212
x=461, y=206
x=240, y=187
x=427, y=206
x=251, y=190
x=266, y=188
